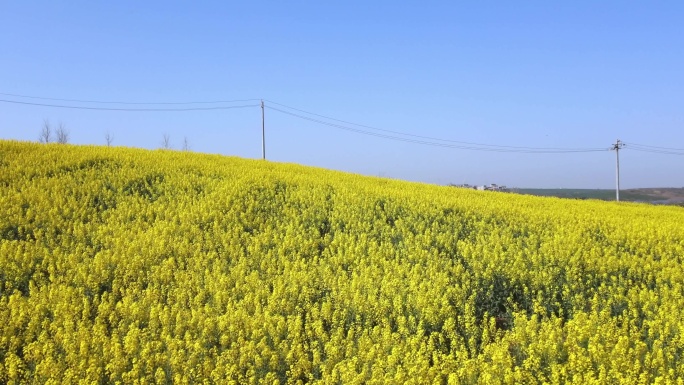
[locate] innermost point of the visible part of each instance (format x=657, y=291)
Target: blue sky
x=535, y=74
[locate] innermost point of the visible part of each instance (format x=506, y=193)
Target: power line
x=656, y=149
x=381, y=133
x=130, y=109
x=129, y=103
x=526, y=150
x=429, y=138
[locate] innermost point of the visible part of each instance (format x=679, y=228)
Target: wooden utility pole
x=617, y=146
x=263, y=132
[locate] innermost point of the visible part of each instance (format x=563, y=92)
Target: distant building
x=490, y=187
x=464, y=185
x=493, y=187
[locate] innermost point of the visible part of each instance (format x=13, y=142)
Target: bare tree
x=186, y=144
x=62, y=134
x=46, y=132
x=166, y=141
x=109, y=139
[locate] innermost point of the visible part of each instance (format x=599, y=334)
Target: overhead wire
x=376, y=132
x=436, y=144
x=130, y=109
x=656, y=151
x=654, y=147
x=129, y=103
x=429, y=138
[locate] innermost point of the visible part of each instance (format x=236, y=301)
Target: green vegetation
x=650, y=195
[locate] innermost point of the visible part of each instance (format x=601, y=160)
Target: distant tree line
x=61, y=135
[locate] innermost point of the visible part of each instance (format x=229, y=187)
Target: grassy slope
x=119, y=264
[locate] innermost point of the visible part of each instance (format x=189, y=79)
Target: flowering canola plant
x=131, y=266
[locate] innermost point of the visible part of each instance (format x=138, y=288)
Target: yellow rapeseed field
x=131, y=266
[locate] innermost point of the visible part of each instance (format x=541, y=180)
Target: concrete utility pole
x=263, y=132
x=617, y=146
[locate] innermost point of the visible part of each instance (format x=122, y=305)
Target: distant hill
x=665, y=195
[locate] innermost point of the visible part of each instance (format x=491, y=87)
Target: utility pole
x=263, y=132
x=617, y=146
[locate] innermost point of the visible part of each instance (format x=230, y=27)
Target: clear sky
x=534, y=74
